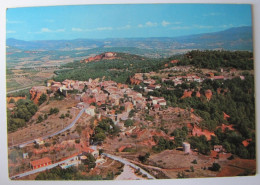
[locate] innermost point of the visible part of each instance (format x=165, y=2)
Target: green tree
x=42, y=99
x=54, y=110
x=215, y=167
x=11, y=100
x=129, y=123
x=90, y=161
x=40, y=119
x=62, y=116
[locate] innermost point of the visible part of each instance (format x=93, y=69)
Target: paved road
x=18, y=90
x=21, y=145
x=39, y=169
x=126, y=162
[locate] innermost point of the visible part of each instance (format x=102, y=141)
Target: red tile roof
x=41, y=161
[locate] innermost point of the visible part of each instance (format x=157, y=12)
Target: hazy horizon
x=123, y=21
x=126, y=37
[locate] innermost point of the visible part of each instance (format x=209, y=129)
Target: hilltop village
x=97, y=125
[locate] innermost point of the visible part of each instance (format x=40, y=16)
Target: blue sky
x=123, y=21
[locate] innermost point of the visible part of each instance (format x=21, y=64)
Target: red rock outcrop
x=198, y=94
x=104, y=56
x=225, y=116
x=135, y=81
x=174, y=61
x=221, y=91
x=36, y=93
x=124, y=147
x=208, y=94
x=186, y=94
x=223, y=127
x=196, y=131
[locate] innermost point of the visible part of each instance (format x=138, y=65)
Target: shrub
x=77, y=141
x=215, y=167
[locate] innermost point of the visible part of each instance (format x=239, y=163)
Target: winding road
x=21, y=145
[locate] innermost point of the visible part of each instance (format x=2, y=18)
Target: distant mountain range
x=237, y=38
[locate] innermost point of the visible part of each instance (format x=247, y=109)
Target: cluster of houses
x=150, y=84
x=99, y=98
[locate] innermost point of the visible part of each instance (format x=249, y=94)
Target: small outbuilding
x=186, y=147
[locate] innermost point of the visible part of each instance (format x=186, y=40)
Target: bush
x=192, y=169
x=231, y=157
x=77, y=141
x=118, y=173
x=54, y=111
x=40, y=119
x=215, y=167
x=62, y=116
x=128, y=123
x=37, y=146
x=11, y=100
x=143, y=158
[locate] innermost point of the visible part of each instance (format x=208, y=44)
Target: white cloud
x=213, y=14
x=147, y=24
x=192, y=27
x=59, y=30
x=181, y=27
x=104, y=28
x=203, y=26
x=124, y=27
x=165, y=23
x=77, y=29
x=46, y=30
x=226, y=26
x=14, y=22
x=94, y=29
x=10, y=31
x=150, y=24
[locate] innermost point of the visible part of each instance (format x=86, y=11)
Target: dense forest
x=219, y=58
x=236, y=99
